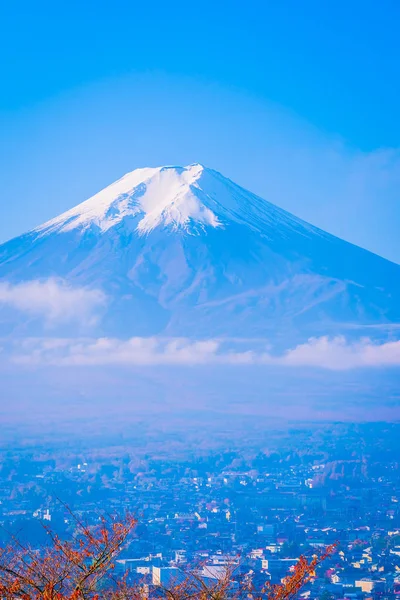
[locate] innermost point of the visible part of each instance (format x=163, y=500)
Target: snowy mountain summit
x=153, y=197
x=191, y=198
x=184, y=251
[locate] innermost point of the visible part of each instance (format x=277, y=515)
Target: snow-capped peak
x=162, y=196
x=191, y=199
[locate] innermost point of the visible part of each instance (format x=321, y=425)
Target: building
x=167, y=576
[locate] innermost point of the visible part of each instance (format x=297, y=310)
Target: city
x=254, y=511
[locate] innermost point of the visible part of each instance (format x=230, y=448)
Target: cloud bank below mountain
x=336, y=354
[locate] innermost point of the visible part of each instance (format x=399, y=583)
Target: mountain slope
x=185, y=251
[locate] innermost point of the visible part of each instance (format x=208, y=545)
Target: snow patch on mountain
x=160, y=196
x=170, y=200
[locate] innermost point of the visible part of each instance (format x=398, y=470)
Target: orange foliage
x=63, y=570
x=303, y=572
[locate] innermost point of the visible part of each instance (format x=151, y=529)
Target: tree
x=63, y=570
x=303, y=572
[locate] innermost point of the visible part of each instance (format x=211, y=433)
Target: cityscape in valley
x=200, y=300
x=254, y=506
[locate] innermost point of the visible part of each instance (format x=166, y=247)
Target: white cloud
x=333, y=354
x=53, y=299
x=339, y=354
x=110, y=351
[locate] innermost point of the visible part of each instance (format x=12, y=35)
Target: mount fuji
x=103, y=306
x=184, y=251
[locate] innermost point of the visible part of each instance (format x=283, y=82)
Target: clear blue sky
x=298, y=101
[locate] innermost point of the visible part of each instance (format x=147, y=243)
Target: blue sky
x=297, y=101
